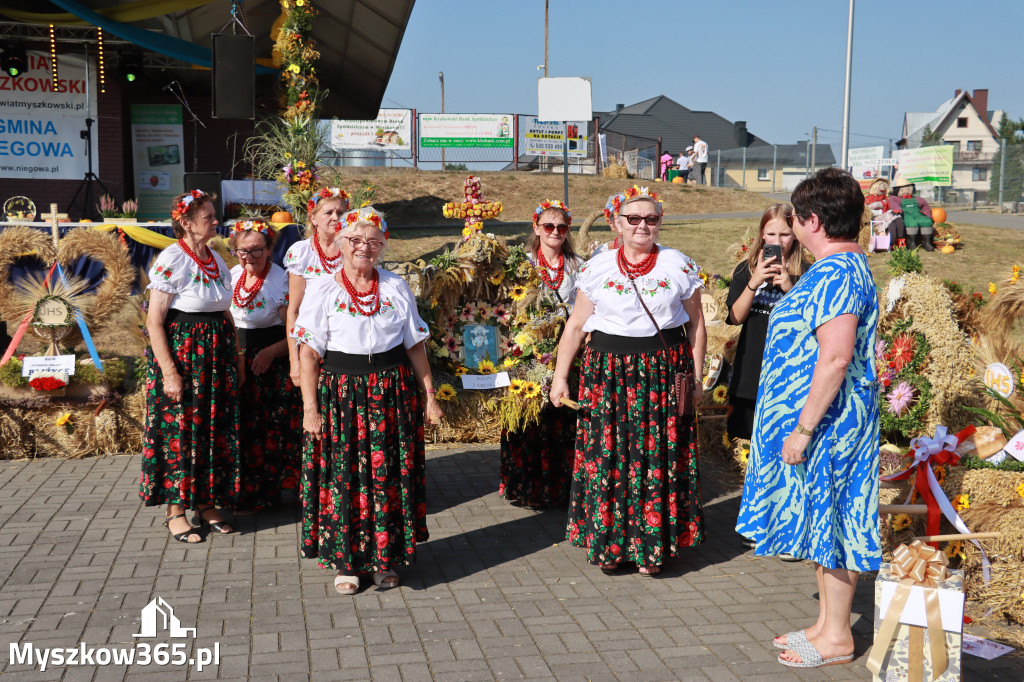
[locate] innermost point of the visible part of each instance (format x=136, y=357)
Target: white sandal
x=390, y=576
x=340, y=580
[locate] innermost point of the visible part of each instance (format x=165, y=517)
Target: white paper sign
x=1015, y=448
x=477, y=382
x=48, y=365
x=984, y=648
x=951, y=604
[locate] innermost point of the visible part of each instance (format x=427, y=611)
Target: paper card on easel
x=1015, y=447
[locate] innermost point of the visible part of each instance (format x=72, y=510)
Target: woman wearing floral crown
x=536, y=460
x=635, y=492
x=315, y=257
x=190, y=443
x=363, y=479
x=271, y=433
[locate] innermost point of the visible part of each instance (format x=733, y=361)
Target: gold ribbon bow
x=924, y=566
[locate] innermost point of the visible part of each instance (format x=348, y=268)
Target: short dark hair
x=835, y=197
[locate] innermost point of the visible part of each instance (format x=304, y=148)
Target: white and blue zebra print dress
x=826, y=508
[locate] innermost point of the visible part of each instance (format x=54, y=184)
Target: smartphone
x=773, y=250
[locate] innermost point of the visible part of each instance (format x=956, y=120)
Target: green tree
x=930, y=138
x=455, y=166
x=1013, y=187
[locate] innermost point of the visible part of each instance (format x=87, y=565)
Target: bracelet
x=430, y=391
x=754, y=289
x=802, y=430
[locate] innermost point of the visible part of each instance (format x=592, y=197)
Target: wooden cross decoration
x=53, y=217
x=473, y=209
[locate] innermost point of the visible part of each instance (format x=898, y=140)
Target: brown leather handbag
x=685, y=383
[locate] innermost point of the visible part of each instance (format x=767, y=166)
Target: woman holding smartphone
x=758, y=283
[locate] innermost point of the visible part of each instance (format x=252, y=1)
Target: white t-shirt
x=617, y=311
x=327, y=321
x=683, y=162
x=567, y=289
x=174, y=272
x=262, y=311
x=702, y=151
x=302, y=260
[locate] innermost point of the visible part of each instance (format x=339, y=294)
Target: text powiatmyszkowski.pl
x=141, y=654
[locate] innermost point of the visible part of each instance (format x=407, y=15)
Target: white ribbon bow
x=925, y=447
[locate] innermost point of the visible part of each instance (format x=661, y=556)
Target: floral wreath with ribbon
x=255, y=225
x=612, y=207
x=551, y=203
x=633, y=192
x=370, y=215
x=183, y=207
x=327, y=193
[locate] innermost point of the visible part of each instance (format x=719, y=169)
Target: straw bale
x=985, y=517
x=993, y=486
x=722, y=340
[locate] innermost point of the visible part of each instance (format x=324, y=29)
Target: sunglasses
x=248, y=253
x=637, y=219
x=551, y=227
x=371, y=244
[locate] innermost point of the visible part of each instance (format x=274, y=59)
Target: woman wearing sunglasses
x=536, y=461
x=271, y=434
x=363, y=477
x=635, y=492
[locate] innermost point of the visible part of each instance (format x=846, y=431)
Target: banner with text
x=41, y=123
x=547, y=138
x=466, y=130
x=865, y=164
x=928, y=164
x=159, y=158
x=392, y=129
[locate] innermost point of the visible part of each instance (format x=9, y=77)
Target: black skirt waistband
x=337, y=362
x=260, y=337
x=628, y=345
x=180, y=316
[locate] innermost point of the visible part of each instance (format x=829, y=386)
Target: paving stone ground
x=496, y=594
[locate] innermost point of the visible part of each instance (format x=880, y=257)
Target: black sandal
x=215, y=526
x=184, y=535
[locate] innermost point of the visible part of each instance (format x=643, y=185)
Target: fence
x=983, y=178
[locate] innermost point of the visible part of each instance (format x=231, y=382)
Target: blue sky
x=777, y=65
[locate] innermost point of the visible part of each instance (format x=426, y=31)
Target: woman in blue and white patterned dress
x=811, y=487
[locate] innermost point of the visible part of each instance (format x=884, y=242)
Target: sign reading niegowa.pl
x=466, y=130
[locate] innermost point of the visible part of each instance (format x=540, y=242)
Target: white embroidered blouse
x=567, y=289
x=262, y=310
x=302, y=260
x=617, y=311
x=328, y=321
x=174, y=272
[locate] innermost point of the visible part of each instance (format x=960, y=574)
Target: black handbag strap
x=648, y=311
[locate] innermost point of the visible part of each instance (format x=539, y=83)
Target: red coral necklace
x=556, y=281
x=209, y=266
x=329, y=263
x=634, y=270
x=244, y=295
x=365, y=302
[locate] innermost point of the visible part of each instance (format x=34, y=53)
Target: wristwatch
x=802, y=430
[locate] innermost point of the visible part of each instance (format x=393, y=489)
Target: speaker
x=234, y=76
x=209, y=183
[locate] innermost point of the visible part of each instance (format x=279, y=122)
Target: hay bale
x=995, y=487
x=985, y=517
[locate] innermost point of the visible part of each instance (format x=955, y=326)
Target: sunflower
x=518, y=385
x=720, y=394
x=726, y=441
x=63, y=419
x=517, y=293
x=992, y=288
x=940, y=473
x=1020, y=489
x=460, y=370
x=485, y=367
x=509, y=362
x=955, y=549
x=745, y=454
x=532, y=389
x=901, y=521
x=497, y=277
x=445, y=392
x=962, y=501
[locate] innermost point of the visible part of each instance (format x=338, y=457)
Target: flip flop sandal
x=184, y=535
x=379, y=578
x=790, y=637
x=609, y=569
x=340, y=580
x=810, y=657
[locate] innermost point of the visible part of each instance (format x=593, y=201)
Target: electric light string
x=99, y=45
x=53, y=56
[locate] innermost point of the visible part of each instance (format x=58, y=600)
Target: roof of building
x=675, y=124
x=915, y=122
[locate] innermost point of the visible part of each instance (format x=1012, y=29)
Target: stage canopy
x=358, y=40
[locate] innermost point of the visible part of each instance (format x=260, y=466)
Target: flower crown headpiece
x=326, y=193
x=613, y=205
x=632, y=193
x=551, y=203
x=367, y=214
x=186, y=201
x=256, y=225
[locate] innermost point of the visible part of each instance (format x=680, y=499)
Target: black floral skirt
x=536, y=461
x=271, y=433
x=635, y=490
x=190, y=448
x=364, y=483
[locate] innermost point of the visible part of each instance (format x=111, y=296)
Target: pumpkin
x=677, y=180
x=948, y=248
x=939, y=215
x=281, y=217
